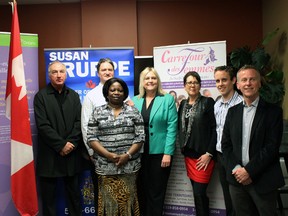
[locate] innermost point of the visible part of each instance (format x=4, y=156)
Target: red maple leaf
x=90, y=84
x=20, y=120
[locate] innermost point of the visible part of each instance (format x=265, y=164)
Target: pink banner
x=172, y=63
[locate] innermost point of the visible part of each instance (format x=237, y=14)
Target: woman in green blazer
x=160, y=119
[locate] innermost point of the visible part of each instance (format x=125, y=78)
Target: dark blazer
x=265, y=139
x=203, y=137
x=54, y=130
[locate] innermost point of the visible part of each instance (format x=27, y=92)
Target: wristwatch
x=129, y=155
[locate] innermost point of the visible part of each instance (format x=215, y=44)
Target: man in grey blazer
x=250, y=144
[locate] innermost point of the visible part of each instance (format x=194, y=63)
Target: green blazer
x=162, y=124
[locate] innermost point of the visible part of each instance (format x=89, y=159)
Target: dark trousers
x=152, y=184
x=201, y=200
x=225, y=185
x=248, y=202
x=48, y=188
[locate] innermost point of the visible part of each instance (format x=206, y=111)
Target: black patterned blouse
x=116, y=135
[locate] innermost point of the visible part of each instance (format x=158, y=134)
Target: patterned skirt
x=118, y=195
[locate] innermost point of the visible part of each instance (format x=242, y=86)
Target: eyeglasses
x=192, y=83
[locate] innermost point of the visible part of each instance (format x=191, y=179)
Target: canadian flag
x=23, y=184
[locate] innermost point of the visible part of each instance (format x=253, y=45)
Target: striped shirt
x=116, y=135
x=220, y=111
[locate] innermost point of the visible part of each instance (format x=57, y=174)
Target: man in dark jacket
x=57, y=113
x=250, y=144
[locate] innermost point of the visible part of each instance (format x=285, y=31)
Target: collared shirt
x=116, y=135
x=248, y=117
x=220, y=110
x=93, y=99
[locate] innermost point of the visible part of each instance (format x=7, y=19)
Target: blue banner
x=81, y=66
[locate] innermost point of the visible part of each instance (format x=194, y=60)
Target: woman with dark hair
x=116, y=134
x=197, y=138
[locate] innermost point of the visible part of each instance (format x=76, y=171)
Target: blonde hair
x=142, y=78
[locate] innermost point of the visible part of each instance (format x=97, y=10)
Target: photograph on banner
x=81, y=66
x=29, y=44
x=172, y=63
